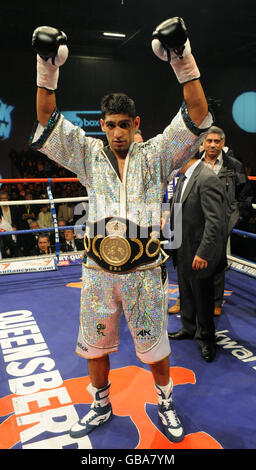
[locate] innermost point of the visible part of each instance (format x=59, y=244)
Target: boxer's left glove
x=52, y=52
x=171, y=44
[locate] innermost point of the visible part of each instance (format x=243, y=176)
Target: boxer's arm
x=195, y=101
x=45, y=105
x=52, y=52
x=170, y=43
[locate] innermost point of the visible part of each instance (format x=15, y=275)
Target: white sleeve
x=65, y=143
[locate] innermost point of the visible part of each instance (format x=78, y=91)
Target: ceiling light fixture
x=114, y=35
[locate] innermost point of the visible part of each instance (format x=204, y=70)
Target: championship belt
x=108, y=244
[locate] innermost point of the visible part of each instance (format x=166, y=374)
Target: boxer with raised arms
x=122, y=273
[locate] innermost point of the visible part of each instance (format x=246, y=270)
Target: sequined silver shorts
x=143, y=298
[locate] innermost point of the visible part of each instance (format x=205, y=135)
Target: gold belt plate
x=115, y=250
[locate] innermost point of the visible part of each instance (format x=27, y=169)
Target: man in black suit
x=238, y=191
x=30, y=240
x=201, y=252
x=70, y=242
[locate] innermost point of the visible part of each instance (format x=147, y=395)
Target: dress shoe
x=208, y=352
x=217, y=311
x=174, y=309
x=181, y=334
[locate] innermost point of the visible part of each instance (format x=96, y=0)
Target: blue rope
x=72, y=227
x=38, y=230
x=244, y=234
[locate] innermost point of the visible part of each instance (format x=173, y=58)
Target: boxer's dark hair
x=117, y=103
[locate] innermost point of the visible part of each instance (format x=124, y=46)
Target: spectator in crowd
x=10, y=213
x=41, y=172
x=44, y=219
x=66, y=211
x=5, y=240
x=138, y=136
x=32, y=164
x=43, y=246
x=27, y=213
x=71, y=243
x=61, y=223
x=15, y=246
x=30, y=240
x=14, y=195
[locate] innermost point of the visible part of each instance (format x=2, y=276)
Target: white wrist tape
x=185, y=68
x=48, y=71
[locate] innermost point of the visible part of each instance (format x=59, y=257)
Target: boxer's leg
x=98, y=336
x=145, y=304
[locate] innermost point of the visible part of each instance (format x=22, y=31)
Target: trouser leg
x=219, y=285
x=203, y=290
x=187, y=304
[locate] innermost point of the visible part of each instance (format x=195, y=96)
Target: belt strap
x=114, y=251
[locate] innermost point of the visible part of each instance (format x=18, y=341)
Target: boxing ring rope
x=41, y=201
x=234, y=261
x=39, y=180
x=51, y=201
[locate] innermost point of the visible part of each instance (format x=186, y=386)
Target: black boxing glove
x=46, y=41
x=170, y=43
x=52, y=52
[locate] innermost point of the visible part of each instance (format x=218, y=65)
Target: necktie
x=179, y=189
x=177, y=197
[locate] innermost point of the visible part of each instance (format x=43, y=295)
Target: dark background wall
x=152, y=84
x=223, y=40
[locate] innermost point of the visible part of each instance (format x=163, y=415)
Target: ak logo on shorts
x=144, y=333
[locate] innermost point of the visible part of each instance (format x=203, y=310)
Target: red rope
x=38, y=180
x=58, y=180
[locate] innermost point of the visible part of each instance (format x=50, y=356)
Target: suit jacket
x=204, y=223
x=238, y=189
x=78, y=244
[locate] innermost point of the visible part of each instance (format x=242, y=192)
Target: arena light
x=114, y=35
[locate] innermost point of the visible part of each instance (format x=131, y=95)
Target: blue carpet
x=43, y=382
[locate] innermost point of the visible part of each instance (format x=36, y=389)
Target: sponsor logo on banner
x=5, y=120
x=238, y=350
x=89, y=121
x=41, y=264
x=28, y=266
x=68, y=260
x=242, y=266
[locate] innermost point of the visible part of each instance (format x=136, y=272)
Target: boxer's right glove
x=52, y=52
x=171, y=44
